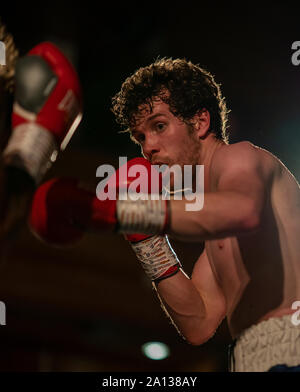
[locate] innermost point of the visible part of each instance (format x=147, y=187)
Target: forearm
x=179, y=297
x=185, y=307
x=224, y=214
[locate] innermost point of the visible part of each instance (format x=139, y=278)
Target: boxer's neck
x=209, y=147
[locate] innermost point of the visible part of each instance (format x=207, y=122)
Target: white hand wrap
x=156, y=255
x=31, y=148
x=141, y=216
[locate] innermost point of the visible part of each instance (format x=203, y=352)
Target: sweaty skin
x=249, y=270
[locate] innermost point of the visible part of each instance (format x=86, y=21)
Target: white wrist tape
x=156, y=255
x=31, y=148
x=141, y=216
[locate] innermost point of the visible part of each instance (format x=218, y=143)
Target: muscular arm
x=237, y=204
x=196, y=306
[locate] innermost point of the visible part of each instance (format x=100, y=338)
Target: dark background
x=90, y=307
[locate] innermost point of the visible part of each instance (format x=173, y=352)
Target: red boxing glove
x=153, y=251
x=46, y=111
x=62, y=209
x=148, y=180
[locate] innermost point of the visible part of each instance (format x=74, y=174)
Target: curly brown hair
x=7, y=72
x=7, y=85
x=190, y=89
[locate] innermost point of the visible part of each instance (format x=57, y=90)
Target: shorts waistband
x=271, y=342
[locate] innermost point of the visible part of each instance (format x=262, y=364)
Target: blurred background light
x=155, y=350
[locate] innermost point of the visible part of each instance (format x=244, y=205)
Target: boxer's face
x=165, y=139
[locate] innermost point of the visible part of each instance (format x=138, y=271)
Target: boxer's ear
x=201, y=123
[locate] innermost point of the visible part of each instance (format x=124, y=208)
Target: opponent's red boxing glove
x=62, y=209
x=46, y=111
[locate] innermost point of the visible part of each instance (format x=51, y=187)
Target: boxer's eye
x=160, y=126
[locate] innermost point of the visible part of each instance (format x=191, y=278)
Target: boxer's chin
x=173, y=183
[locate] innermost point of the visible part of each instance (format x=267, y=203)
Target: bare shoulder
x=240, y=151
x=243, y=156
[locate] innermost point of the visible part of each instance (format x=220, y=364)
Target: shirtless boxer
x=249, y=270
